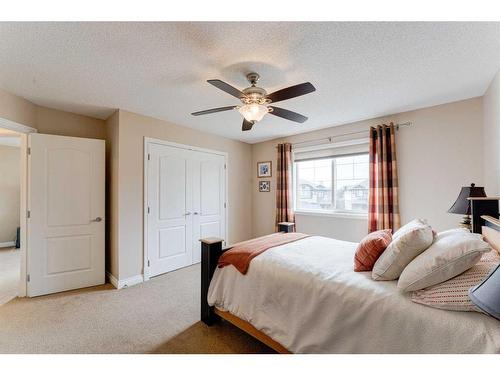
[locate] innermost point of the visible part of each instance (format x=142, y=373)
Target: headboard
x=491, y=231
x=481, y=207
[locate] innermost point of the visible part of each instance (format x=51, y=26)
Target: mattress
x=306, y=296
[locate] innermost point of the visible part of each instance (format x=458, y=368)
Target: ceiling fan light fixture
x=256, y=102
x=253, y=112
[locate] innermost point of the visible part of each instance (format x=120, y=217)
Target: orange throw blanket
x=242, y=253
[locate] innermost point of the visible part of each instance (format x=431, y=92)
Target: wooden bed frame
x=485, y=213
x=211, y=250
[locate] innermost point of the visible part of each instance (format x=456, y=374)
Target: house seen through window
x=335, y=184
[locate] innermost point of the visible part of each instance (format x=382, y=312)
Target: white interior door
x=170, y=194
x=209, y=219
x=65, y=231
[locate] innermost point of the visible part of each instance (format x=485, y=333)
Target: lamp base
x=466, y=223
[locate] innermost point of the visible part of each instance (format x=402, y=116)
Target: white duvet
x=306, y=296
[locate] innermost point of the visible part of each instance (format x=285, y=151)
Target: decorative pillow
x=370, y=248
x=454, y=293
x=451, y=253
x=408, y=242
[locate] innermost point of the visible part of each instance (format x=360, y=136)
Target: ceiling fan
x=256, y=101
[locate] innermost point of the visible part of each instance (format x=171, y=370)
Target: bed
x=304, y=297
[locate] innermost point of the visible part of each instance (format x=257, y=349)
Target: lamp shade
x=486, y=295
x=462, y=204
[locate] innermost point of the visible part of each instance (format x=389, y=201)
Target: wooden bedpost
x=211, y=250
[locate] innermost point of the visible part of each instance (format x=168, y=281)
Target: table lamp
x=486, y=295
x=462, y=204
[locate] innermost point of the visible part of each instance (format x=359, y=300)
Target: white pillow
x=407, y=242
x=453, y=294
x=451, y=253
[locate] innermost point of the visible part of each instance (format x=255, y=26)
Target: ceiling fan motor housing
x=254, y=94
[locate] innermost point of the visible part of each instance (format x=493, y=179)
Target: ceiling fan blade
x=213, y=110
x=289, y=115
x=227, y=88
x=291, y=92
x=247, y=125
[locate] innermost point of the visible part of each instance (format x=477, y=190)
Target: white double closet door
x=186, y=192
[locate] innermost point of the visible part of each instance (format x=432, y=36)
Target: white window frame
x=343, y=214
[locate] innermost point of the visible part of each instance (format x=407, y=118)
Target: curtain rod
x=329, y=139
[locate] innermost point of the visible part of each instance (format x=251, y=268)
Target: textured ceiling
x=360, y=70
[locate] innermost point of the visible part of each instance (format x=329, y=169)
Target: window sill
x=339, y=215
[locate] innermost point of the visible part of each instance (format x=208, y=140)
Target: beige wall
x=9, y=192
x=438, y=154
x=53, y=121
x=132, y=130
x=491, y=118
x=17, y=109
x=49, y=121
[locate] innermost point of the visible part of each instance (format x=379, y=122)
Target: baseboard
x=124, y=283
x=112, y=279
x=7, y=244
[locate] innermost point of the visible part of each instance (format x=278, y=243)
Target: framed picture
x=264, y=186
x=264, y=169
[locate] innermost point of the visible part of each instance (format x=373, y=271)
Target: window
x=333, y=184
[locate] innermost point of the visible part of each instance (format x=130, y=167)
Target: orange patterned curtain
x=284, y=204
x=383, y=211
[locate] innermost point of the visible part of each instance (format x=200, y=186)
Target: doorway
x=185, y=200
x=14, y=197
x=61, y=211
x=10, y=209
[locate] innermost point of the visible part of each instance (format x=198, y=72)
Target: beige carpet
x=159, y=316
x=10, y=266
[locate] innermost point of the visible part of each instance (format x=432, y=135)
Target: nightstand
x=286, y=227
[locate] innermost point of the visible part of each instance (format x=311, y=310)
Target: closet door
x=170, y=223
x=209, y=192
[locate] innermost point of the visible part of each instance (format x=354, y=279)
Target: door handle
x=187, y=213
x=97, y=220
x=196, y=213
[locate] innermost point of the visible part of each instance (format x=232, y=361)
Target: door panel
x=67, y=254
x=68, y=173
x=169, y=221
x=209, y=197
x=65, y=196
x=210, y=181
x=172, y=241
x=172, y=191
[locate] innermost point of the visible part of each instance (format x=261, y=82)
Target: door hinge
x=224, y=204
x=28, y=278
x=225, y=166
x=148, y=262
x=28, y=214
x=29, y=150
x=149, y=156
x=149, y=210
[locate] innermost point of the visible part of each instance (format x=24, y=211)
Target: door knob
x=97, y=220
x=196, y=213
